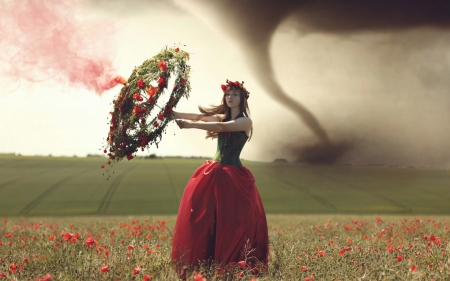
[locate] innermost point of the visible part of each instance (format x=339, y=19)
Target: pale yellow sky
x=48, y=118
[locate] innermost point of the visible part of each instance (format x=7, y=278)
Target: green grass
x=36, y=186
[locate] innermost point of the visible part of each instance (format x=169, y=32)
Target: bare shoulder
x=246, y=120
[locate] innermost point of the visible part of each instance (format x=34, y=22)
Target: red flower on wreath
x=168, y=109
x=224, y=88
x=156, y=124
x=162, y=65
x=152, y=91
x=161, y=116
x=162, y=82
x=138, y=97
x=177, y=49
x=140, y=83
x=130, y=156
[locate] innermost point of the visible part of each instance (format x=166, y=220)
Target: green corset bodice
x=229, y=147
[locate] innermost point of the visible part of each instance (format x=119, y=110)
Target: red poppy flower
x=130, y=247
x=90, y=241
x=322, y=253
x=198, y=277
x=413, y=268
x=242, y=264
x=51, y=238
x=105, y=268
x=345, y=249
x=147, y=278
x=400, y=258
x=240, y=274
x=155, y=124
x=47, y=277
x=102, y=166
x=432, y=237
x=138, y=97
x=390, y=249
x=162, y=65
x=67, y=236
x=177, y=49
x=136, y=271
x=310, y=278
x=140, y=83
x=3, y=275
x=161, y=116
x=12, y=268
x=304, y=268
x=224, y=88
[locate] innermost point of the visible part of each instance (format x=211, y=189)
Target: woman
x=221, y=218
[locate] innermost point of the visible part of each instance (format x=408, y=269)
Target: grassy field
x=302, y=247
x=36, y=186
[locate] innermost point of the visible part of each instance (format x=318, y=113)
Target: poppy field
x=302, y=247
x=42, y=186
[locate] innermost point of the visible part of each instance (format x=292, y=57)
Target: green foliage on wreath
x=131, y=126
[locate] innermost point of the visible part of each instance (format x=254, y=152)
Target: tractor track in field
x=111, y=190
x=30, y=206
x=22, y=178
x=29, y=176
x=403, y=208
x=309, y=193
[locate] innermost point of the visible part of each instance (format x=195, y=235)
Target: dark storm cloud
x=252, y=23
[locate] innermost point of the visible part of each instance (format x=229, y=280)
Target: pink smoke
x=44, y=39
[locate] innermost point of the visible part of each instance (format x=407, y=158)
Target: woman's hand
x=182, y=123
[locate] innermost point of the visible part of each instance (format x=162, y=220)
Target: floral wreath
x=131, y=126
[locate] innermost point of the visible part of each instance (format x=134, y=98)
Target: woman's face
x=233, y=99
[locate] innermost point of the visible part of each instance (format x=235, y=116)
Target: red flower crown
x=236, y=84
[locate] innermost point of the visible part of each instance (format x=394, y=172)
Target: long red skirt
x=221, y=219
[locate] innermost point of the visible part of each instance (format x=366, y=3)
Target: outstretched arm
x=240, y=124
x=193, y=116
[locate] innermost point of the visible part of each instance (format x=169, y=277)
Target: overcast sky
x=383, y=91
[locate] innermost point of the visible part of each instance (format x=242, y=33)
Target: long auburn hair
x=224, y=109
